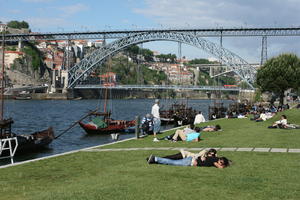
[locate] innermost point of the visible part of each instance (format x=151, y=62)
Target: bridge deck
x=166, y=87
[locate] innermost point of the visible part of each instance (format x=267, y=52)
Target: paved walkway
x=250, y=149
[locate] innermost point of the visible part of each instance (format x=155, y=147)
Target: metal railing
x=165, y=87
x=6, y=144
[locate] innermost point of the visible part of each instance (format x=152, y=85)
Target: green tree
x=279, y=74
x=200, y=61
x=17, y=24
x=171, y=58
x=148, y=54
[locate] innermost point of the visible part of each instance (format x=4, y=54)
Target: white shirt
x=155, y=111
x=199, y=118
x=282, y=121
x=263, y=116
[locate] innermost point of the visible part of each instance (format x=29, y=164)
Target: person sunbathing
x=211, y=128
x=187, y=134
x=218, y=162
x=184, y=154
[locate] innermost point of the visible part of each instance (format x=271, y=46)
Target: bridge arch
x=81, y=70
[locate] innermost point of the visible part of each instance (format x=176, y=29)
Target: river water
x=35, y=115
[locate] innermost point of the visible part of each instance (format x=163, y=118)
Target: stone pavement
x=240, y=149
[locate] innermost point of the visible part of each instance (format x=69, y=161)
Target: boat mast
x=2, y=77
x=107, y=85
x=105, y=99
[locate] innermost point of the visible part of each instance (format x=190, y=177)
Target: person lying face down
x=218, y=162
x=211, y=128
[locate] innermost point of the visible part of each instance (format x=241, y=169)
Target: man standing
x=156, y=119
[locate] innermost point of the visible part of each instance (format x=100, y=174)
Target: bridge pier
x=20, y=45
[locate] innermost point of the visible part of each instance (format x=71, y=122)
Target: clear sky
x=92, y=15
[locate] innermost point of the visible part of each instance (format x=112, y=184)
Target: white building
x=3, y=27
x=10, y=56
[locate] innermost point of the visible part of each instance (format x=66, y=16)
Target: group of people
x=262, y=116
x=150, y=124
x=205, y=158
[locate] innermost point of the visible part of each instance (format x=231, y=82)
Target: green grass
x=126, y=174
x=235, y=133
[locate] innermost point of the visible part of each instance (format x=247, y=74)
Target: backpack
x=146, y=126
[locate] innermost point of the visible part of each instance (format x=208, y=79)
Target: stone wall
x=18, y=78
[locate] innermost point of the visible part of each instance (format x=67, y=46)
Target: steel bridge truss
x=114, y=34
x=82, y=70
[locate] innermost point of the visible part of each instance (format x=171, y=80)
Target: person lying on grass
x=187, y=134
x=184, y=154
x=211, y=128
x=218, y=162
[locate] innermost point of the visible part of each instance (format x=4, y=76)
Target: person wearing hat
x=156, y=119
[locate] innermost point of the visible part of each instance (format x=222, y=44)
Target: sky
x=93, y=15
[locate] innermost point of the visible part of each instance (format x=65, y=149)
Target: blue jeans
x=156, y=125
x=182, y=162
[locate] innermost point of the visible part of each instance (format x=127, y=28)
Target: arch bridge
x=82, y=70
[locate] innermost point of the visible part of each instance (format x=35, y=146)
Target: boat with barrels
x=178, y=114
x=102, y=123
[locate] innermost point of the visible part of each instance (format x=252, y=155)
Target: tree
x=279, y=74
x=17, y=24
x=200, y=61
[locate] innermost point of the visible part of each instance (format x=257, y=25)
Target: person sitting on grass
x=282, y=123
x=186, y=130
x=147, y=125
x=256, y=115
x=218, y=162
x=262, y=117
x=187, y=134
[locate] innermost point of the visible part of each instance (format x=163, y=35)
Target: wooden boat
x=178, y=114
x=26, y=142
x=22, y=97
x=101, y=123
x=35, y=141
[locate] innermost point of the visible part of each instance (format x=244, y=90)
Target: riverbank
x=126, y=174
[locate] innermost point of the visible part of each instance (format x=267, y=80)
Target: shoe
x=151, y=159
x=155, y=140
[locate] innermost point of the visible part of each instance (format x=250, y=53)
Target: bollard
x=137, y=127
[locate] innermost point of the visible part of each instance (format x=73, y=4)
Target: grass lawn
x=126, y=174
x=235, y=133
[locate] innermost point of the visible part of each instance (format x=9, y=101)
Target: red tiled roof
x=15, y=52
